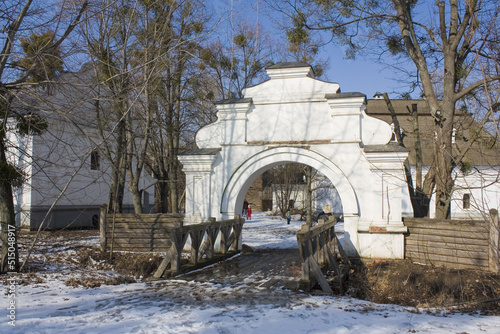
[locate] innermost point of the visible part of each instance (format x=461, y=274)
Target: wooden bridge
x=194, y=246
x=207, y=242
x=319, y=253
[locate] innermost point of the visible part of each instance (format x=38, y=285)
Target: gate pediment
x=293, y=107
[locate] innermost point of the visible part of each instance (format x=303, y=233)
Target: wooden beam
x=196, y=239
x=164, y=263
x=319, y=276
x=102, y=227
x=494, y=251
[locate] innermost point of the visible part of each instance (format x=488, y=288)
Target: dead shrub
x=136, y=264
x=409, y=284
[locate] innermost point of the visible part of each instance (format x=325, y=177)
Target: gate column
x=198, y=167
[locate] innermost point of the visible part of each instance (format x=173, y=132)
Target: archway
x=245, y=175
x=295, y=118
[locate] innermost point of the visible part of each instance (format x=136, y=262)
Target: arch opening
x=241, y=180
x=286, y=187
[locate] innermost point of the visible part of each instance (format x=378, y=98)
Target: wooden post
x=494, y=257
x=179, y=238
x=305, y=279
x=237, y=228
x=212, y=232
x=196, y=239
x=225, y=231
x=102, y=226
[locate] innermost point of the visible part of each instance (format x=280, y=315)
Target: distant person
x=288, y=217
x=249, y=213
x=245, y=208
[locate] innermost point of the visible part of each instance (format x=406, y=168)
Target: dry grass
x=409, y=284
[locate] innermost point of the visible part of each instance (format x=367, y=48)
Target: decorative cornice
x=200, y=160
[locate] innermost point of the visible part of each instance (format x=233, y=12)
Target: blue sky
x=358, y=75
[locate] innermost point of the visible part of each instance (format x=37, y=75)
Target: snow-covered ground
x=178, y=306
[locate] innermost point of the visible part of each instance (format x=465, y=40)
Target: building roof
x=344, y=95
x=234, y=101
x=484, y=151
x=289, y=65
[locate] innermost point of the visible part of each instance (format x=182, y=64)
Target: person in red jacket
x=249, y=213
x=245, y=208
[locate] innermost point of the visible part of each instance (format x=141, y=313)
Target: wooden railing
x=318, y=248
x=202, y=244
x=203, y=248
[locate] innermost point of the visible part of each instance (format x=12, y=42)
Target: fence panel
x=453, y=244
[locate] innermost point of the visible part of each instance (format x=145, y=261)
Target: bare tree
x=288, y=183
x=448, y=50
x=240, y=61
x=27, y=59
x=124, y=66
x=178, y=29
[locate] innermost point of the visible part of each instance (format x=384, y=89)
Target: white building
x=67, y=176
x=477, y=186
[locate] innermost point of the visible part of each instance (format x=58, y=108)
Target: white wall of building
x=58, y=162
x=481, y=185
x=58, y=169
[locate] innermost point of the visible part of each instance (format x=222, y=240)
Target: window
x=466, y=201
x=95, y=220
x=95, y=160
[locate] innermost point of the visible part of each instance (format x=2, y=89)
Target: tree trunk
x=119, y=171
x=444, y=129
x=419, y=199
x=172, y=190
x=309, y=211
x=10, y=255
x=137, y=200
x=161, y=196
x=421, y=196
x=444, y=168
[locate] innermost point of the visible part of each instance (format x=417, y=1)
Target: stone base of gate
x=381, y=245
x=375, y=240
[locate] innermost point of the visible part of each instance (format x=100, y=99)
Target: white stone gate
x=295, y=118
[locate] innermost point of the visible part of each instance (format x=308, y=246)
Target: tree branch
x=13, y=29
x=476, y=85
x=51, y=47
x=442, y=22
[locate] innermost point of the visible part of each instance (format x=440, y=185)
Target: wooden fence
x=318, y=248
x=454, y=244
x=208, y=242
